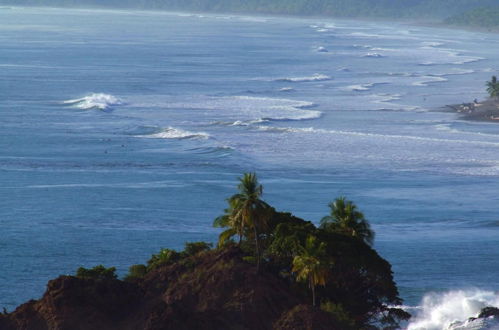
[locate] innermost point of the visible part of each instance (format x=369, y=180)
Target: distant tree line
x=486, y=17
x=423, y=9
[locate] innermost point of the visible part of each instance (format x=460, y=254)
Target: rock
x=213, y=290
x=488, y=312
x=306, y=317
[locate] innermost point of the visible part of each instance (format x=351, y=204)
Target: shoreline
x=487, y=111
x=429, y=22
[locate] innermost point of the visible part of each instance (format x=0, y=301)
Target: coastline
x=429, y=22
x=487, y=110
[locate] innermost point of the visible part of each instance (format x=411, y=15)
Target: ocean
x=123, y=132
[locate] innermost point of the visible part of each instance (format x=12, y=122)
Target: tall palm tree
x=493, y=87
x=225, y=221
x=345, y=218
x=246, y=213
x=311, y=265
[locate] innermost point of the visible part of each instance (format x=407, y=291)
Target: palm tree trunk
x=313, y=292
x=257, y=250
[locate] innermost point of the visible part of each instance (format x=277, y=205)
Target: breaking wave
x=314, y=77
x=431, y=44
x=99, y=101
x=452, y=310
x=174, y=133
x=373, y=55
x=428, y=80
x=357, y=88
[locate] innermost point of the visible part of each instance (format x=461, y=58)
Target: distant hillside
x=487, y=17
x=423, y=9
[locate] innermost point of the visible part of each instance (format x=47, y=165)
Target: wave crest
x=373, y=55
x=314, y=77
x=99, y=101
x=452, y=310
x=175, y=133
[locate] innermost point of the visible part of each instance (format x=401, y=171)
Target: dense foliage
x=493, y=87
x=334, y=263
x=339, y=8
x=486, y=17
x=166, y=257
x=98, y=272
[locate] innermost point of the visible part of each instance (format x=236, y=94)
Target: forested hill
x=484, y=17
x=415, y=9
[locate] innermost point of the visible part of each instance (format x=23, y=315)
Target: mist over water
x=124, y=132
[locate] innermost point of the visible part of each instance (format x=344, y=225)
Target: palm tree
x=246, y=213
x=225, y=221
x=346, y=219
x=311, y=265
x=493, y=87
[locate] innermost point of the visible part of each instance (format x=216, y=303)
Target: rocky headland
x=487, y=110
x=270, y=270
x=211, y=290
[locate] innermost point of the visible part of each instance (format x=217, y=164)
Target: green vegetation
x=136, y=272
x=337, y=8
x=485, y=17
x=163, y=257
x=166, y=257
x=247, y=214
x=493, y=87
x=333, y=265
x=345, y=218
x=312, y=264
x=98, y=273
x=335, y=261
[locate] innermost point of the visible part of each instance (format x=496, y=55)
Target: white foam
x=176, y=133
x=454, y=72
x=451, y=310
x=428, y=80
x=226, y=110
x=373, y=55
x=432, y=44
x=393, y=137
x=286, y=89
x=99, y=101
x=466, y=60
x=289, y=129
x=446, y=128
x=357, y=88
x=314, y=77
x=321, y=49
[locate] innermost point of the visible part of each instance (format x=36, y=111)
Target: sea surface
x=123, y=132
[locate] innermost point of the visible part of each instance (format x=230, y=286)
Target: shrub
x=193, y=248
x=339, y=313
x=136, y=272
x=98, y=272
x=163, y=257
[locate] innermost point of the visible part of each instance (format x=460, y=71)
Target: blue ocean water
x=123, y=132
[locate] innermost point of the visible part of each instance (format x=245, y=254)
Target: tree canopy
x=493, y=87
x=335, y=262
x=337, y=8
x=347, y=219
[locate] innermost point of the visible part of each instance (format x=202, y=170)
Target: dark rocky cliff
x=213, y=290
